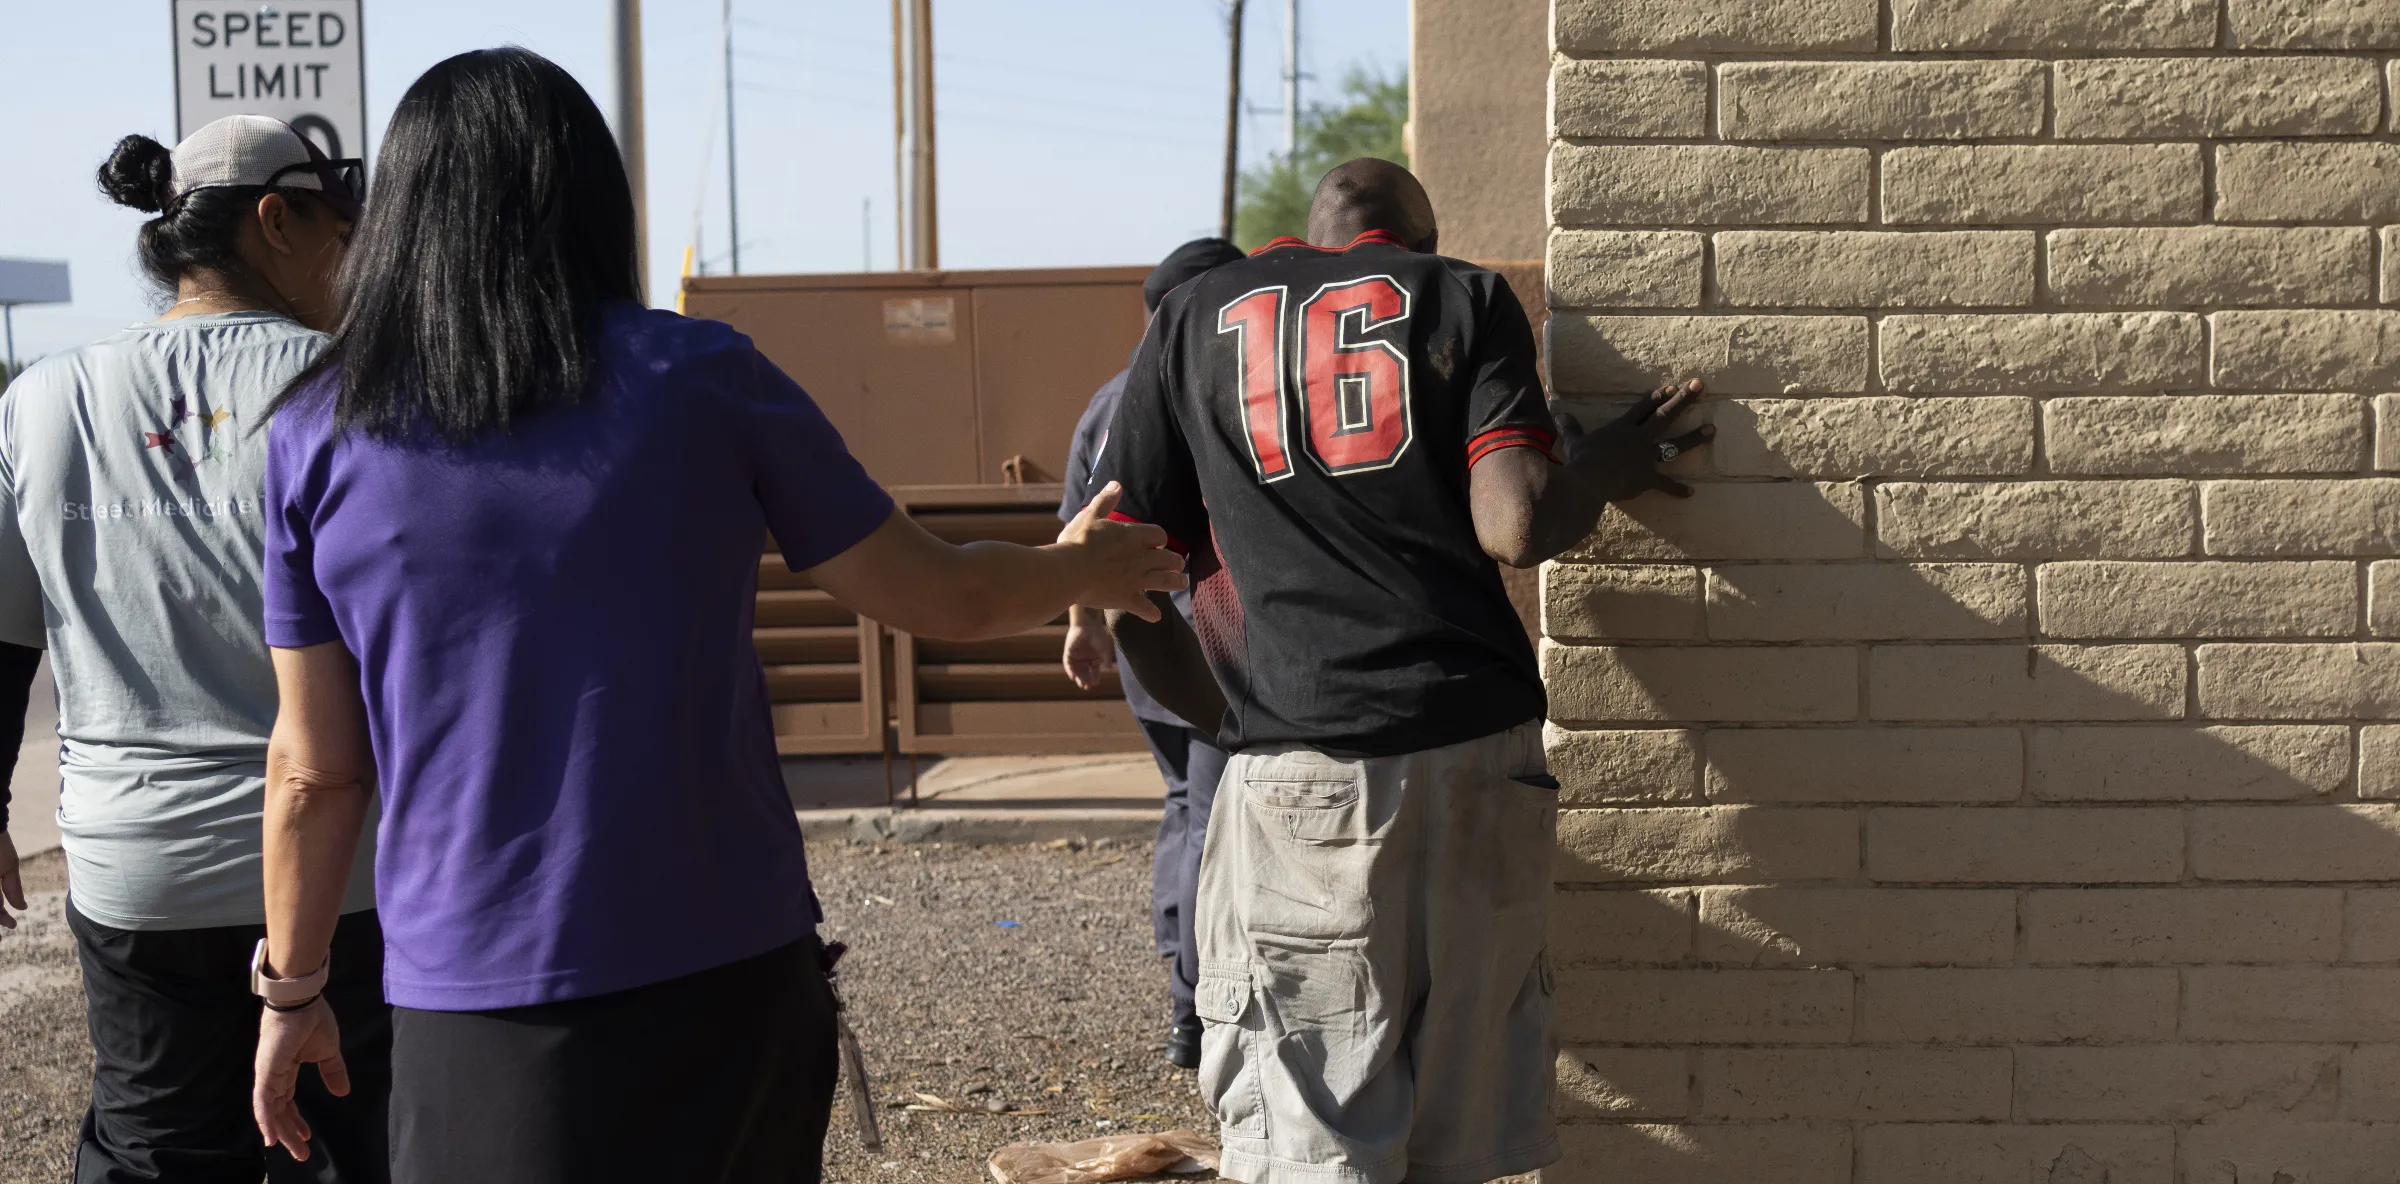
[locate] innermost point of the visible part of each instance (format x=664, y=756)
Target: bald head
x=1369, y=194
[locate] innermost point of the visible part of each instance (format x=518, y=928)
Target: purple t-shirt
x=580, y=787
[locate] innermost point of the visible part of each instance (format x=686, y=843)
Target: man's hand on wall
x=1621, y=457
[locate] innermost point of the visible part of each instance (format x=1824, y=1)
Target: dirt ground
x=45, y=1065
x=1065, y=1012
x=1016, y=978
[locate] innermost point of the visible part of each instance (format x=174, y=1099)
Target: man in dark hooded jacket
x=1187, y=756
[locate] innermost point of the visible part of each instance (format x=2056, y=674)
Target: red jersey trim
x=1173, y=544
x=1511, y=437
x=1373, y=236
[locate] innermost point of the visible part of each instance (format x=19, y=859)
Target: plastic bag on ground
x=1095, y=1161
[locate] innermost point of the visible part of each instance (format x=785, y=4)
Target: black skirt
x=721, y=1077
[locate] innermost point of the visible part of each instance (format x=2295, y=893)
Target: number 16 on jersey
x=1352, y=384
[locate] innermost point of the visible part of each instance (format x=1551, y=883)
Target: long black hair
x=198, y=232
x=499, y=224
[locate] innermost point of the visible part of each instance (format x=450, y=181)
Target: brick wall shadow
x=1921, y=865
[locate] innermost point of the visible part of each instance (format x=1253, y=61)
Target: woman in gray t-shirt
x=131, y=472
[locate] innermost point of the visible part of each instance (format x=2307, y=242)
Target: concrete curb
x=979, y=827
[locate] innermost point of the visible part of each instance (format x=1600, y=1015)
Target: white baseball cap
x=254, y=150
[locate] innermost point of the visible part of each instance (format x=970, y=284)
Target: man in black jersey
x=1343, y=434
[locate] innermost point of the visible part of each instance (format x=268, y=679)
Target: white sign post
x=303, y=63
x=28, y=281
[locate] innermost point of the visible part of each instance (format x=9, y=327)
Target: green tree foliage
x=1365, y=120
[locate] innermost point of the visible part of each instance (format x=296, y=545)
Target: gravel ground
x=1062, y=1013
x=45, y=1065
x=1065, y=1013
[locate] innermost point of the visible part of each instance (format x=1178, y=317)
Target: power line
x=1149, y=132
x=1131, y=84
x=838, y=100
x=1131, y=111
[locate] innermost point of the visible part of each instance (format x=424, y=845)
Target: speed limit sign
x=302, y=63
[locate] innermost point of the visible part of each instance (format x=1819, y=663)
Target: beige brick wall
x=1993, y=773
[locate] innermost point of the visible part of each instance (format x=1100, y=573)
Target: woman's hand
x=286, y=1041
x=1124, y=561
x=318, y=758
x=909, y=580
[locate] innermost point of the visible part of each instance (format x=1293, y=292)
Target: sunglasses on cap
x=342, y=183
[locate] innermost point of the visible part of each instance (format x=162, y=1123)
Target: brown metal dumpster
x=1007, y=695
x=942, y=377
x=958, y=390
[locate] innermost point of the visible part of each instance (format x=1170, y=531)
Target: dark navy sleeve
x=21, y=609
x=1079, y=474
x=17, y=665
x=1084, y=448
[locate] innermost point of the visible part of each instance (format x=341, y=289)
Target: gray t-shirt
x=131, y=478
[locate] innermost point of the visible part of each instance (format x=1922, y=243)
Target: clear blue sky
x=1071, y=132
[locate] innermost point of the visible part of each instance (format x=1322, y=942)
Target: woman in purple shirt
x=514, y=521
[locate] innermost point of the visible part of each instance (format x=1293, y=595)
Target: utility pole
x=929, y=206
x=625, y=58
x=733, y=191
x=1291, y=79
x=912, y=96
x=1233, y=125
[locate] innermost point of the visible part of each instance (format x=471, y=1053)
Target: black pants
x=720, y=1077
x=174, y=1032
x=1191, y=766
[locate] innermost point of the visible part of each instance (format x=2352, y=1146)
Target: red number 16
x=1354, y=398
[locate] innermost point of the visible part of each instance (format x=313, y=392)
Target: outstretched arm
x=1528, y=508
x=906, y=578
x=1166, y=657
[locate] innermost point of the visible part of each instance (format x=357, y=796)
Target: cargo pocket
x=1229, y=1072
x=1528, y=767
x=1523, y=821
x=1314, y=810
x=1330, y=1003
x=1315, y=847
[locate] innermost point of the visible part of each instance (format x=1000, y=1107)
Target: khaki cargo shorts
x=1372, y=978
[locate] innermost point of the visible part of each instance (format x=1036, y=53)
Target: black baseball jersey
x=1312, y=413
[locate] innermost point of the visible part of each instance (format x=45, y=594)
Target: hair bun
x=138, y=174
